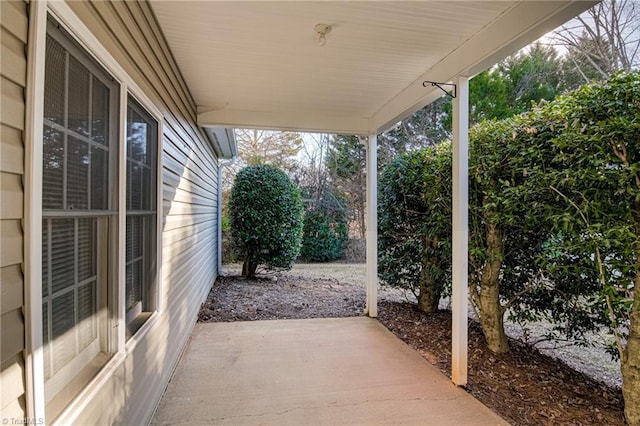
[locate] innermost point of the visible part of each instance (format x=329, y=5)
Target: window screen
x=142, y=139
x=80, y=108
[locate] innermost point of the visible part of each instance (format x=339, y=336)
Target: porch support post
x=460, y=267
x=372, y=226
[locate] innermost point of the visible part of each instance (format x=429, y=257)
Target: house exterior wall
x=129, y=32
x=13, y=40
x=128, y=389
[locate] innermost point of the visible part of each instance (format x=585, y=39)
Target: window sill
x=86, y=395
x=146, y=322
x=71, y=411
x=75, y=386
x=136, y=323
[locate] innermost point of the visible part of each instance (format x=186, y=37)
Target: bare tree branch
x=606, y=38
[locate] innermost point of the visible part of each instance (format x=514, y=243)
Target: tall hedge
x=594, y=202
x=559, y=203
x=554, y=219
x=414, y=224
x=266, y=213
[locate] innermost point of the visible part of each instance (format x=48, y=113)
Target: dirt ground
x=525, y=387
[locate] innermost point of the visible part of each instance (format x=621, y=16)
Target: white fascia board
x=300, y=121
x=524, y=23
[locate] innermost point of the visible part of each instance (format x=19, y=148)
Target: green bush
x=225, y=223
x=554, y=220
x=593, y=176
x=325, y=234
x=266, y=219
x=414, y=224
x=509, y=229
x=505, y=235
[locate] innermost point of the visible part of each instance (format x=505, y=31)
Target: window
x=142, y=136
x=79, y=217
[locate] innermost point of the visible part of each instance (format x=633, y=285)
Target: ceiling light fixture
x=322, y=30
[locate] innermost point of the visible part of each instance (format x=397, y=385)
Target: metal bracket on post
x=439, y=86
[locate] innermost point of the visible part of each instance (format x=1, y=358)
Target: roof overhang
x=258, y=64
x=223, y=141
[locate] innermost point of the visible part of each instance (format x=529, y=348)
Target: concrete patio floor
x=346, y=371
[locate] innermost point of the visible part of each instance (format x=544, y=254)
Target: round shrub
x=266, y=219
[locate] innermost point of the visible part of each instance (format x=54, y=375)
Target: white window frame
x=34, y=357
x=85, y=360
x=154, y=297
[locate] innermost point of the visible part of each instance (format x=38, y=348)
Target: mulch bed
x=524, y=386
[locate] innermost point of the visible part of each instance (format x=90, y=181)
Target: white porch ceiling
x=258, y=64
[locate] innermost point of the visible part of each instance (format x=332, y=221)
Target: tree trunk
x=630, y=358
x=430, y=289
x=429, y=298
x=491, y=310
x=492, y=318
x=249, y=267
x=630, y=365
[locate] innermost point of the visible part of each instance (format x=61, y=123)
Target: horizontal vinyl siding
x=12, y=289
x=12, y=103
x=14, y=66
x=12, y=397
x=13, y=44
x=130, y=33
x=12, y=196
x=11, y=150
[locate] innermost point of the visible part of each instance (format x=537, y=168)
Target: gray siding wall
x=129, y=31
x=13, y=41
x=131, y=34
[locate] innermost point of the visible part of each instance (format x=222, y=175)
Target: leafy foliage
x=506, y=227
x=590, y=174
x=325, y=233
x=266, y=218
x=531, y=77
x=325, y=222
x=555, y=220
x=586, y=60
x=414, y=224
x=595, y=175
x=346, y=161
x=523, y=173
x=426, y=127
x=530, y=256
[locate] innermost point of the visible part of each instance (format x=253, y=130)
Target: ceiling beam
x=297, y=121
